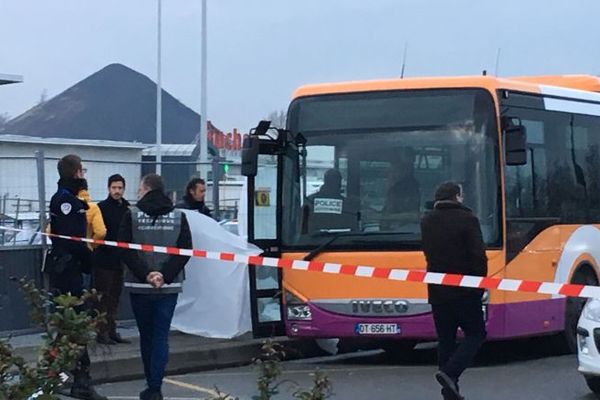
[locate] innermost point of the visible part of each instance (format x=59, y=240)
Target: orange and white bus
x=526, y=151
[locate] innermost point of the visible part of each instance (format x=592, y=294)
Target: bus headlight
x=297, y=309
x=299, y=312
x=592, y=310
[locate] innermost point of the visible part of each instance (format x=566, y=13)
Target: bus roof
x=589, y=83
x=525, y=84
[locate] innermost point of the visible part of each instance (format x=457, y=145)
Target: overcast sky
x=259, y=51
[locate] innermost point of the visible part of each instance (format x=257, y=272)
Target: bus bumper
x=503, y=321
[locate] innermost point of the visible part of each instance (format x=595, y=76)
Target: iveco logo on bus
x=379, y=306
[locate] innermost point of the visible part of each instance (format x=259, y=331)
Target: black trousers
x=109, y=283
x=466, y=313
x=71, y=282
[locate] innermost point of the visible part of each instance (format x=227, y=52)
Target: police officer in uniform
x=328, y=209
x=154, y=280
x=72, y=258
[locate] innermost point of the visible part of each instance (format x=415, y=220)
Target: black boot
x=105, y=339
x=449, y=395
x=82, y=387
x=450, y=388
x=148, y=394
x=115, y=337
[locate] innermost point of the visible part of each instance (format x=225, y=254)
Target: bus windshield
x=373, y=161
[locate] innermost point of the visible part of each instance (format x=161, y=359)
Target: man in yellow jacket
x=95, y=224
x=96, y=229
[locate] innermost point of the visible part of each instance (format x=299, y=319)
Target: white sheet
x=216, y=294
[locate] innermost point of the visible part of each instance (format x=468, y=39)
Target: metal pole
x=404, y=60
x=216, y=173
x=203, y=100
x=16, y=220
x=497, y=62
x=41, y=182
x=159, y=94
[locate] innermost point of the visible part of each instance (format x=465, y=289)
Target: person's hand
x=156, y=279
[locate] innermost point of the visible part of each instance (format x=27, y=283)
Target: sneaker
x=448, y=384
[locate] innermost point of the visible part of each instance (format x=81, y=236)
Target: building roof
x=181, y=150
x=5, y=79
x=70, y=142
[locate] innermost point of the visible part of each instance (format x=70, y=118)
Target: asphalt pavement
x=201, y=368
x=528, y=370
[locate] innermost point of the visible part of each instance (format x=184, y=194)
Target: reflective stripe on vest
x=162, y=230
x=149, y=286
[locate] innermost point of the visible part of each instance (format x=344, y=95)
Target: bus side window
x=561, y=181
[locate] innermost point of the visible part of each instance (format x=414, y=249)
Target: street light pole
x=203, y=99
x=159, y=95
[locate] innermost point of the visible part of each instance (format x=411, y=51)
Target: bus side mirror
x=515, y=145
x=250, y=156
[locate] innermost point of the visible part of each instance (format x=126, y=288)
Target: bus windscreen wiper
x=345, y=233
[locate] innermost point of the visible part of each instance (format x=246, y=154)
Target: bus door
x=264, y=230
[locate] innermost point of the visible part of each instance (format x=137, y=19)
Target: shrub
x=68, y=327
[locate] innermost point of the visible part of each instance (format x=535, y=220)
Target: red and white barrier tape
x=365, y=271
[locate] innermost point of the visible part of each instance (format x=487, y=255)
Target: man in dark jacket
x=403, y=198
x=453, y=243
x=108, y=267
x=73, y=258
x=193, y=199
x=154, y=279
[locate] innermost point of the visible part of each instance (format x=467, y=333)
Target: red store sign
x=228, y=141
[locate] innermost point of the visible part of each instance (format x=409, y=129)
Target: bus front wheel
x=584, y=276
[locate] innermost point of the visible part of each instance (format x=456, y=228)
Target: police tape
x=363, y=271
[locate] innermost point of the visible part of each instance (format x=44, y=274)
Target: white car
x=588, y=334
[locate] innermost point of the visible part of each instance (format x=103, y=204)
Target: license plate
x=377, y=329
